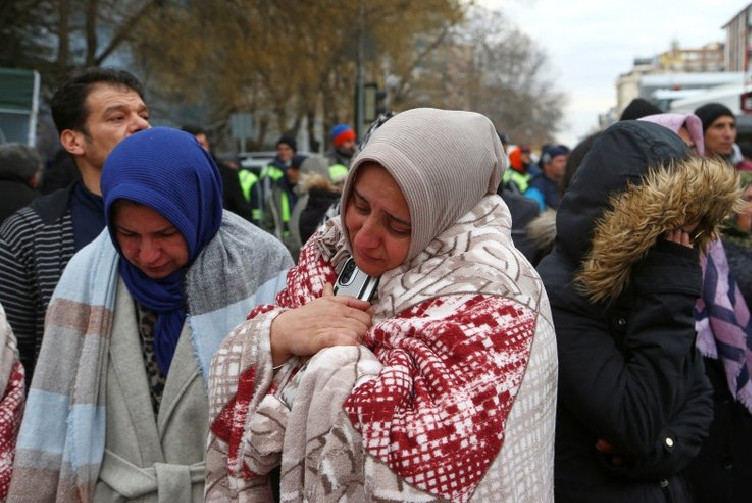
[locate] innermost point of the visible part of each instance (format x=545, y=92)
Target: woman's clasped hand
x=329, y=321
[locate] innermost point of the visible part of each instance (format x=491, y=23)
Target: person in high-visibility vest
x=286, y=148
x=343, y=148
x=273, y=172
x=251, y=189
x=285, y=193
x=517, y=178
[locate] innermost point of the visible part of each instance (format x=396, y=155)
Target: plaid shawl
x=724, y=324
x=61, y=442
x=425, y=410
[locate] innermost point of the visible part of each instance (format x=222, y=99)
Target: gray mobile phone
x=355, y=283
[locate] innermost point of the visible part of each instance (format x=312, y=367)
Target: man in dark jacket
x=286, y=147
x=20, y=172
x=545, y=187
x=523, y=211
x=340, y=154
x=93, y=111
x=719, y=130
x=634, y=404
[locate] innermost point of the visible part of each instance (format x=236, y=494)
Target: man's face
x=203, y=141
x=720, y=136
x=555, y=168
x=114, y=112
x=347, y=146
x=293, y=174
x=285, y=152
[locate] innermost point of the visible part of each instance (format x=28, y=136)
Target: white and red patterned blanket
x=11, y=402
x=422, y=410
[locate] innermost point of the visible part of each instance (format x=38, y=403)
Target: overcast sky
x=591, y=42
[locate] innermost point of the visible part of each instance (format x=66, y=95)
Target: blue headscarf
x=168, y=171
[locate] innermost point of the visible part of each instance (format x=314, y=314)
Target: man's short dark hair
x=69, y=101
x=193, y=129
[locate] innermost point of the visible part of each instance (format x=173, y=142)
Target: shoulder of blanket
x=260, y=242
x=250, y=252
x=241, y=267
x=88, y=270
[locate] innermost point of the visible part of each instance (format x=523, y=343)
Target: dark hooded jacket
x=523, y=211
x=322, y=194
x=15, y=195
x=622, y=298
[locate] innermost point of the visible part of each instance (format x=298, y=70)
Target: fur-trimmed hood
x=637, y=182
x=313, y=180
x=541, y=231
x=314, y=173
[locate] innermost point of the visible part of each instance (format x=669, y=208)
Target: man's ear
x=73, y=142
x=36, y=180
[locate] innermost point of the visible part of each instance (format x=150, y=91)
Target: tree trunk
x=92, y=7
x=63, y=40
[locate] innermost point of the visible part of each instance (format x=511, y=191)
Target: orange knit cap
x=515, y=159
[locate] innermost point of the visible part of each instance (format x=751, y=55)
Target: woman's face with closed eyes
x=148, y=240
x=378, y=221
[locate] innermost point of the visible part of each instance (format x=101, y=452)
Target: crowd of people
x=571, y=326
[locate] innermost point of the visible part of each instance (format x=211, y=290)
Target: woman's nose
x=149, y=251
x=367, y=236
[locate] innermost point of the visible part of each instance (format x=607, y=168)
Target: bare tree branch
x=124, y=30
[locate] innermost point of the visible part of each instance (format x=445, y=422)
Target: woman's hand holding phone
x=324, y=322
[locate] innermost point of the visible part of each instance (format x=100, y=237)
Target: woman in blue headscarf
x=120, y=389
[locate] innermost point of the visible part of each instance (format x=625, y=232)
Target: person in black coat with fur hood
x=634, y=404
x=20, y=175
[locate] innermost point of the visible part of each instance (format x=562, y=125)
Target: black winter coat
x=523, y=210
x=622, y=299
x=232, y=193
x=629, y=374
x=721, y=472
x=14, y=195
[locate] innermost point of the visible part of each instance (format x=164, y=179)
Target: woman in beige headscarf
x=444, y=388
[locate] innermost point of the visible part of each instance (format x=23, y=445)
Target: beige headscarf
x=444, y=161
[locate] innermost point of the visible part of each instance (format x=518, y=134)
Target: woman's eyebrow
x=396, y=219
x=400, y=221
